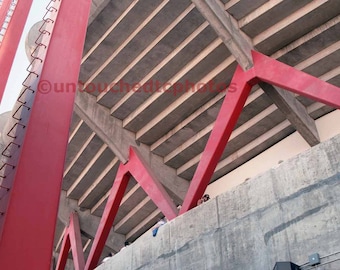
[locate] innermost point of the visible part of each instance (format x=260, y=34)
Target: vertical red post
x=30, y=218
x=231, y=109
x=11, y=38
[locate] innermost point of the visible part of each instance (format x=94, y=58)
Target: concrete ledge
x=285, y=214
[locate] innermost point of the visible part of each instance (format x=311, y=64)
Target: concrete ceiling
x=163, y=41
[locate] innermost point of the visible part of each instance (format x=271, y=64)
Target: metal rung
x=3, y=166
x=22, y=105
x=23, y=92
x=5, y=188
x=31, y=64
x=3, y=152
x=16, y=124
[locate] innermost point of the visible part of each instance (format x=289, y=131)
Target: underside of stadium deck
x=154, y=82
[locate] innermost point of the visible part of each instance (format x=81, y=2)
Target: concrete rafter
x=192, y=162
x=288, y=20
x=186, y=121
x=185, y=96
x=85, y=170
x=110, y=130
x=97, y=181
x=261, y=139
x=102, y=200
x=126, y=42
x=81, y=150
x=174, y=79
x=147, y=50
x=301, y=66
x=240, y=46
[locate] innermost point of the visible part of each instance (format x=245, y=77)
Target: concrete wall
x=327, y=126
x=284, y=214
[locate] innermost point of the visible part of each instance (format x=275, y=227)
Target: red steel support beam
x=11, y=38
x=75, y=239
x=4, y=10
x=143, y=175
x=231, y=109
x=150, y=184
x=31, y=215
x=232, y=106
x=109, y=214
x=274, y=72
x=265, y=69
x=64, y=250
x=72, y=239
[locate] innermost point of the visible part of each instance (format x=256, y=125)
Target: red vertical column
x=30, y=218
x=11, y=38
x=227, y=117
x=3, y=11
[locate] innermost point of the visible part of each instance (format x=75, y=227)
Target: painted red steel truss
x=137, y=168
x=30, y=211
x=72, y=238
x=265, y=69
x=39, y=171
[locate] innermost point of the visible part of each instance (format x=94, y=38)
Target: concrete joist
x=240, y=46
x=110, y=130
x=227, y=29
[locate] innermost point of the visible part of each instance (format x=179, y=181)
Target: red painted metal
x=11, y=39
x=110, y=211
x=265, y=69
x=30, y=219
x=64, y=250
x=138, y=168
x=274, y=72
x=232, y=106
x=150, y=184
x=4, y=10
x=72, y=239
x=225, y=122
x=76, y=244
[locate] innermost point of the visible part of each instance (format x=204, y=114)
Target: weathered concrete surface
x=284, y=214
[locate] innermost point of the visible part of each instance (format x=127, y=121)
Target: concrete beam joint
x=227, y=29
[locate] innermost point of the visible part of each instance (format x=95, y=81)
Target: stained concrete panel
x=284, y=214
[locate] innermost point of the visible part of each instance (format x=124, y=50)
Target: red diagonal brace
x=150, y=184
x=72, y=239
x=265, y=69
x=225, y=122
x=274, y=72
x=110, y=211
x=144, y=176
